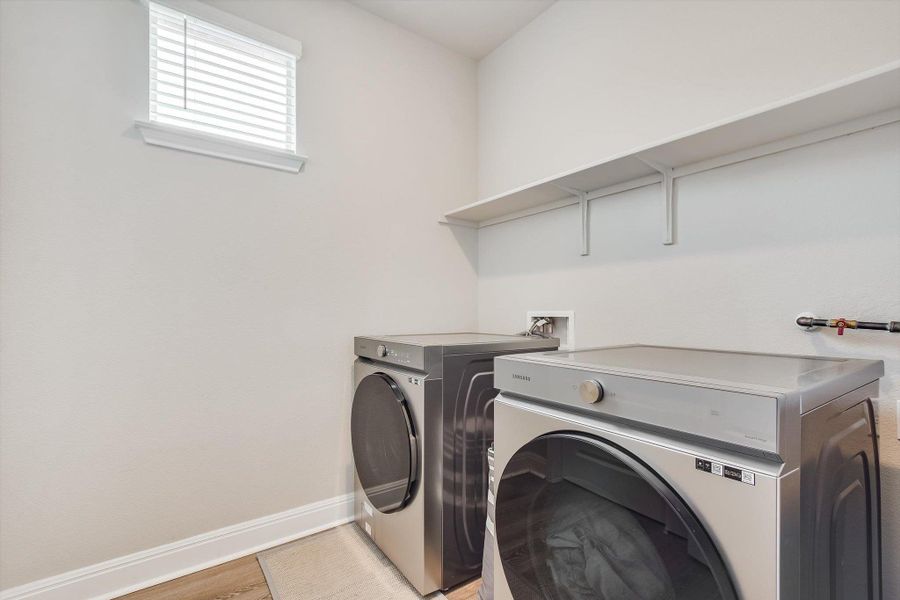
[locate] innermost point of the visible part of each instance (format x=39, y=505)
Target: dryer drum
x=579, y=518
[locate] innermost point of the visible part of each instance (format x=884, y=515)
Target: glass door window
x=384, y=442
x=579, y=518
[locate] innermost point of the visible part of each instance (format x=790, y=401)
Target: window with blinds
x=212, y=80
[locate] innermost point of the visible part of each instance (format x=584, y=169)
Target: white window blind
x=212, y=80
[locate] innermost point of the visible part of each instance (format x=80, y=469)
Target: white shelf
x=868, y=100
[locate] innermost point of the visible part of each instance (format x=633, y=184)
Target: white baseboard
x=142, y=569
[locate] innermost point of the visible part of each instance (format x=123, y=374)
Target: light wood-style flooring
x=240, y=579
x=464, y=592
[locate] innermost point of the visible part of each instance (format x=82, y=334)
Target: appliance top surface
x=445, y=340
x=781, y=373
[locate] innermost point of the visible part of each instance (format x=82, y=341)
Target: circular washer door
x=579, y=518
x=384, y=442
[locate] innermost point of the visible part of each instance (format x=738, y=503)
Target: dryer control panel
x=403, y=355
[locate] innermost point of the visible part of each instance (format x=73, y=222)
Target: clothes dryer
x=421, y=424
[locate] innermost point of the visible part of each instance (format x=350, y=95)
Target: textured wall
x=176, y=330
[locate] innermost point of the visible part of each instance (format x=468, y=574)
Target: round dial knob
x=591, y=391
x=381, y=350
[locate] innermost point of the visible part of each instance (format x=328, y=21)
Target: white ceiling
x=471, y=27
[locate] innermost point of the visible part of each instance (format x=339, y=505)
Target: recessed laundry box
x=421, y=425
x=667, y=473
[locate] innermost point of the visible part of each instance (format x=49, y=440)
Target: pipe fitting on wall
x=810, y=323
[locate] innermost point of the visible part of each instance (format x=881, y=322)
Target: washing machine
x=421, y=424
x=654, y=473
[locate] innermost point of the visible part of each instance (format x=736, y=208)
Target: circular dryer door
x=384, y=442
x=579, y=518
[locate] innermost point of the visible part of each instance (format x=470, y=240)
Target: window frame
x=209, y=144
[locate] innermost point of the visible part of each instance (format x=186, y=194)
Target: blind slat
x=224, y=93
x=221, y=81
x=237, y=41
x=212, y=94
x=196, y=67
x=221, y=122
x=210, y=43
x=238, y=66
x=257, y=68
x=222, y=103
x=165, y=31
x=217, y=112
x=167, y=45
x=200, y=126
x=235, y=75
x=213, y=80
x=159, y=19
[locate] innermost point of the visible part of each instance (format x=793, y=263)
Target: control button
x=591, y=391
x=381, y=350
x=732, y=473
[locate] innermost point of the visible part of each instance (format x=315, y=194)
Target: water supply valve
x=810, y=323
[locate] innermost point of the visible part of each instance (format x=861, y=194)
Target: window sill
x=218, y=146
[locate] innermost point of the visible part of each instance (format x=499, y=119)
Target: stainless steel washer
x=670, y=473
x=421, y=424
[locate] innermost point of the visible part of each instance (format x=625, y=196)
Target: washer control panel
x=740, y=418
x=715, y=468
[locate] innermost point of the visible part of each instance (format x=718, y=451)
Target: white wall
x=586, y=80
x=814, y=229
x=176, y=329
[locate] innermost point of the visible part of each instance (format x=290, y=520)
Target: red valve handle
x=841, y=323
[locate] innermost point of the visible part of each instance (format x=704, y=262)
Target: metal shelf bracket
x=583, y=203
x=668, y=190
